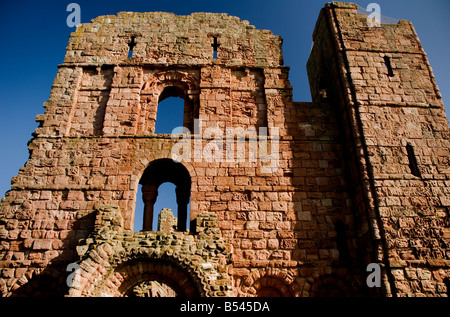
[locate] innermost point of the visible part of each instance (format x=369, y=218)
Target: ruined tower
x=297, y=202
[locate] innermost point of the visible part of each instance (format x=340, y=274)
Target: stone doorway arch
x=139, y=273
x=115, y=263
x=153, y=278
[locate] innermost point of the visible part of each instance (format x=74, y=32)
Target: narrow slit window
x=215, y=45
x=413, y=166
x=322, y=89
x=131, y=45
x=387, y=62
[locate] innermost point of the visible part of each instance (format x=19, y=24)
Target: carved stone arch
x=168, y=83
x=113, y=262
x=173, y=270
x=187, y=80
x=37, y=283
x=141, y=167
x=270, y=282
x=119, y=274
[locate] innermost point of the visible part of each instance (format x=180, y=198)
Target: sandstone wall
x=398, y=132
x=341, y=194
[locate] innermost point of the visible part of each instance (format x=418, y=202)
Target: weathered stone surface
x=203, y=257
x=362, y=173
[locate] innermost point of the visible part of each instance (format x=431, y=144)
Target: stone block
x=42, y=244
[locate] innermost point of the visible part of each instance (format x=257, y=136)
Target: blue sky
x=34, y=38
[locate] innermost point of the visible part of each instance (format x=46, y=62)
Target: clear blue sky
x=34, y=37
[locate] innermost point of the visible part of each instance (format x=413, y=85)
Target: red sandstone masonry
x=385, y=114
x=342, y=197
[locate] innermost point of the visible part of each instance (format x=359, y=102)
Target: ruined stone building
x=359, y=175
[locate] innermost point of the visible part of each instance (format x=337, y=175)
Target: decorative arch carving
x=114, y=263
x=132, y=267
x=38, y=283
x=270, y=282
x=172, y=273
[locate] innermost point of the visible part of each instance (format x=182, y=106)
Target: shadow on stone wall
x=50, y=280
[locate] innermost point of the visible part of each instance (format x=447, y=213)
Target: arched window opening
x=165, y=199
x=164, y=184
x=175, y=109
x=169, y=115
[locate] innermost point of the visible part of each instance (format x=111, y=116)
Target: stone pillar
x=182, y=201
x=149, y=194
